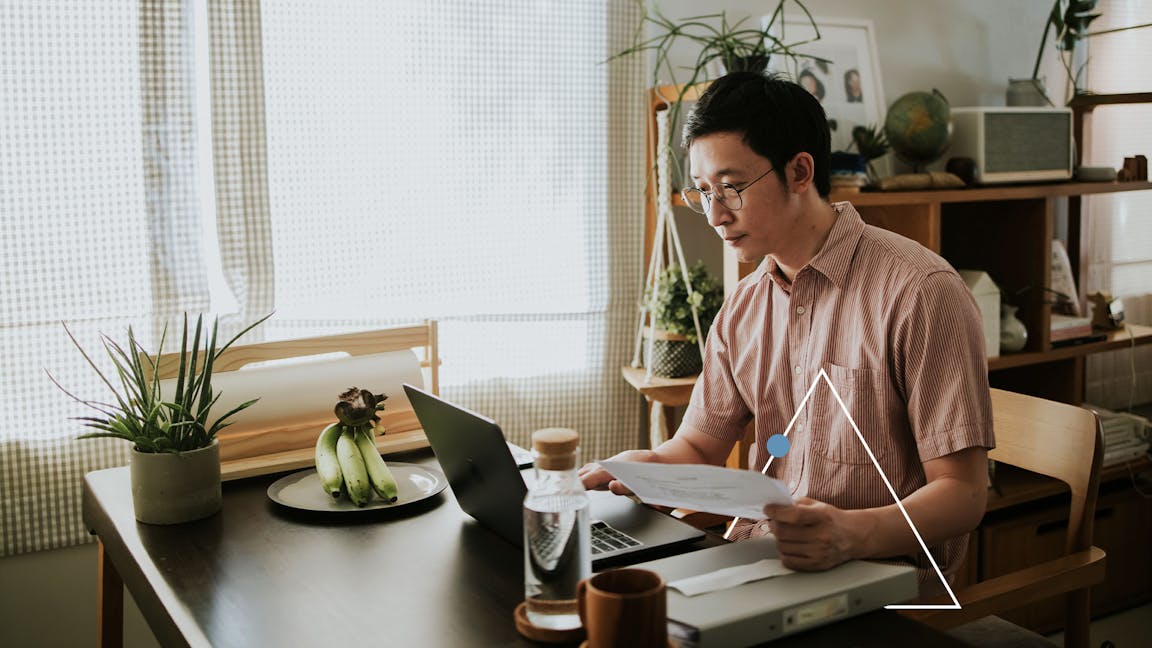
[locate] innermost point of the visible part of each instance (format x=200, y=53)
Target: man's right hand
x=594, y=477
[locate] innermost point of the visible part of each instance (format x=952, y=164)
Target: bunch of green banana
x=347, y=460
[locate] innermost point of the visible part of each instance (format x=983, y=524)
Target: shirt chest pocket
x=862, y=392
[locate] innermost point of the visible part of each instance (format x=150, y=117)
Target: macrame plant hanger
x=666, y=237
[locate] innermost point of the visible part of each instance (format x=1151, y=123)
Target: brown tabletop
x=260, y=574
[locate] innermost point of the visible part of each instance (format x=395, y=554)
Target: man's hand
x=812, y=535
x=594, y=477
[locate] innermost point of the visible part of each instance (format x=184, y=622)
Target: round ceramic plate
x=302, y=490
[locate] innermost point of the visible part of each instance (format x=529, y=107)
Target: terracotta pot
x=170, y=488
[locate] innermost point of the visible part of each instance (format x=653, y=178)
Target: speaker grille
x=1026, y=141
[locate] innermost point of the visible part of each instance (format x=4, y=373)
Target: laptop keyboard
x=605, y=539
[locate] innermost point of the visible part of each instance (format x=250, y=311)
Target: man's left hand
x=812, y=535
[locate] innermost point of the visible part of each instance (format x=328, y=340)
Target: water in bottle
x=557, y=544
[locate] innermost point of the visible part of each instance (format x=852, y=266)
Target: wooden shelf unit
x=1005, y=231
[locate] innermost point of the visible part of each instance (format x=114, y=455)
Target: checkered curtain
x=98, y=180
x=240, y=158
x=488, y=174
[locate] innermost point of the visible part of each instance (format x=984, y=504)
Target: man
x=891, y=324
x=852, y=88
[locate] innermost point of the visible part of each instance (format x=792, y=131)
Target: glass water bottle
x=557, y=544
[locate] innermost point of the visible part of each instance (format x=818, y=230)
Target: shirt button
x=797, y=370
x=799, y=310
x=764, y=528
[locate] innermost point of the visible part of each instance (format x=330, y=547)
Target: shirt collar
x=834, y=258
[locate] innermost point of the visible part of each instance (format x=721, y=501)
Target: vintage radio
x=1015, y=144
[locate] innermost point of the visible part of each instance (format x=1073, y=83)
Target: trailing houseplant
x=1068, y=21
x=675, y=347
x=732, y=45
x=169, y=431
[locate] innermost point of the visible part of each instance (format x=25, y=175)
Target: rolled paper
x=306, y=389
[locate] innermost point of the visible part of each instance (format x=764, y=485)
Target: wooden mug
x=624, y=607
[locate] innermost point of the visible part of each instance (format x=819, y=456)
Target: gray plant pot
x=672, y=356
x=170, y=488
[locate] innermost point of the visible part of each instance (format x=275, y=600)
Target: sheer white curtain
x=453, y=160
x=371, y=163
x=1120, y=225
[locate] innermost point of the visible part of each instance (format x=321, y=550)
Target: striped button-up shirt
x=897, y=334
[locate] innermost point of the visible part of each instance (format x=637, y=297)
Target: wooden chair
x=1064, y=442
x=246, y=451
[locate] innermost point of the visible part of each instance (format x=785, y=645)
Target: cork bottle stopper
x=555, y=448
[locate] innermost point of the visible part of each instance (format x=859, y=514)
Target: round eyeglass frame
x=728, y=193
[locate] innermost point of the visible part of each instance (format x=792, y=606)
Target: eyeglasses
x=729, y=196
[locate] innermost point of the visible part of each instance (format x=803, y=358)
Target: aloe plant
x=140, y=414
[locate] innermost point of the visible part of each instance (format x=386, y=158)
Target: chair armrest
x=996, y=595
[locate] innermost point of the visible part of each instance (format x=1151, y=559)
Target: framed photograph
x=848, y=85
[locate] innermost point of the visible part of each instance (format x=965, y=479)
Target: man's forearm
x=942, y=509
x=691, y=446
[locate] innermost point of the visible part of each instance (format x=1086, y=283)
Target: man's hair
x=776, y=117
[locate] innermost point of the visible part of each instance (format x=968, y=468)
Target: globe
x=919, y=127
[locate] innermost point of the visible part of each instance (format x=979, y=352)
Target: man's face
x=854, y=84
x=764, y=223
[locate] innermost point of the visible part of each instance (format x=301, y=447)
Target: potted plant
x=719, y=43
x=1069, y=19
x=674, y=344
x=175, y=459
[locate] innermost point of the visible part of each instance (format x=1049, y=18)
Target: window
x=1118, y=224
x=359, y=164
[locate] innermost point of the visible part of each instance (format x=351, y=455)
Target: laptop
x=767, y=609
x=486, y=481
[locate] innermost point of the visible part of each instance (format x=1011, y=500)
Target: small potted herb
x=674, y=344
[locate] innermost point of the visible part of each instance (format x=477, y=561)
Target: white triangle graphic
x=955, y=604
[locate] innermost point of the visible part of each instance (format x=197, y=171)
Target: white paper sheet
x=729, y=577
x=711, y=489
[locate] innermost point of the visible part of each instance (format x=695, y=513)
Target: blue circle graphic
x=778, y=445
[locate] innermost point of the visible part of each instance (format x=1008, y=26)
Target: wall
x=48, y=600
x=967, y=50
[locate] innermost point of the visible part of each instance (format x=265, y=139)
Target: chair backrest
x=247, y=451
x=1064, y=442
x=1054, y=439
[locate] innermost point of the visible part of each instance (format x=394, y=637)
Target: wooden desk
x=261, y=575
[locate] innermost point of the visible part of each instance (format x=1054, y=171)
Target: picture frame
x=849, y=45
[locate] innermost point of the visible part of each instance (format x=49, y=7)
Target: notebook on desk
x=767, y=609
x=489, y=486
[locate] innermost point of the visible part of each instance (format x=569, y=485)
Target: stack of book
x=1068, y=327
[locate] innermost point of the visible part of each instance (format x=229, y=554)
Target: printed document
x=711, y=489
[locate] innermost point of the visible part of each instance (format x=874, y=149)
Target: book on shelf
x=1068, y=327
